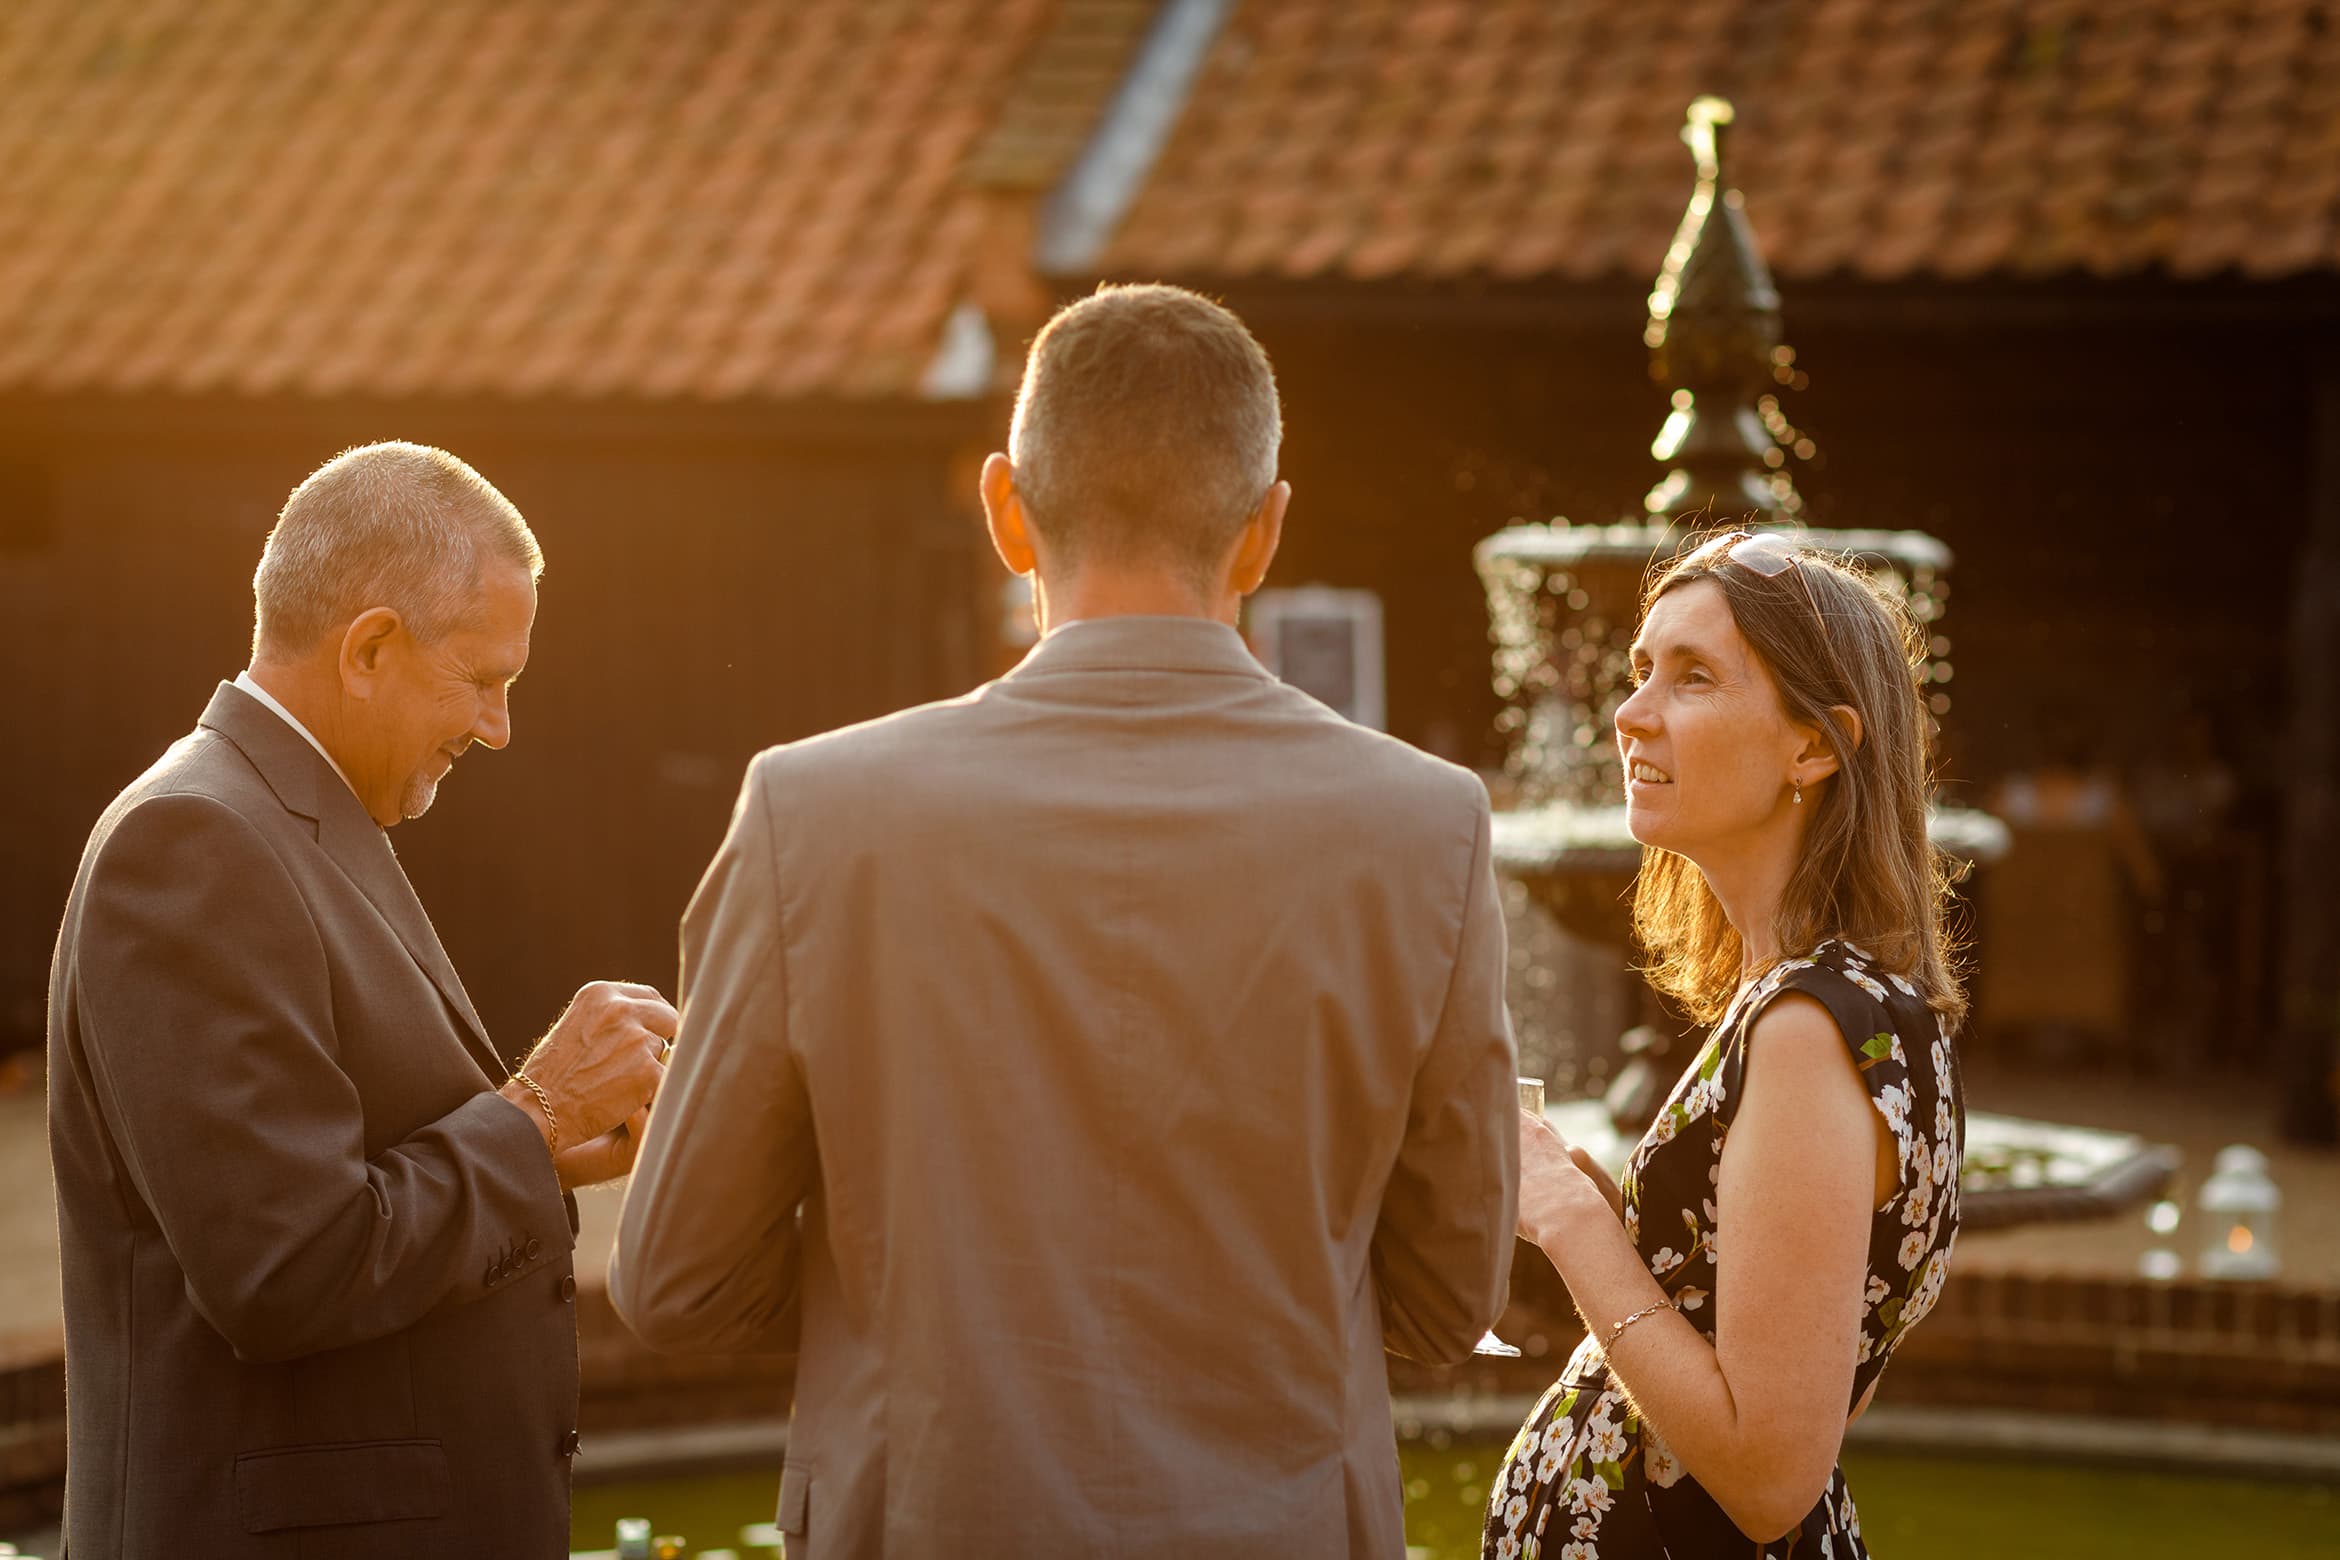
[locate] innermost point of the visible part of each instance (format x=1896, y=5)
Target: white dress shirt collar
x=245, y=682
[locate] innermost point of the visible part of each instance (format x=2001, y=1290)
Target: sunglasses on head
x=1760, y=552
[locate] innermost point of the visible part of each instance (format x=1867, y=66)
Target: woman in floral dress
x=1789, y=1215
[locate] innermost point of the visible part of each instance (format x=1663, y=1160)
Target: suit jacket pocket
x=344, y=1482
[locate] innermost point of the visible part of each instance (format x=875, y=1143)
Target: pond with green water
x=1912, y=1508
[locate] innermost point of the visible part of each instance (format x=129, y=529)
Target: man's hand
x=600, y=1064
x=604, y=1158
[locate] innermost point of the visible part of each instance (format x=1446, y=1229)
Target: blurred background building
x=729, y=298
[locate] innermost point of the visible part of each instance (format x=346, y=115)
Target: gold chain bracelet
x=1615, y=1328
x=552, y=1122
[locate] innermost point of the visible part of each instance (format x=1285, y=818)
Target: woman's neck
x=1750, y=884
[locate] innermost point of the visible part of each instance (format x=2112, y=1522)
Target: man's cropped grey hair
x=1146, y=429
x=395, y=525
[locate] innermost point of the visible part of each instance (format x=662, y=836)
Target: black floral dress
x=1587, y=1478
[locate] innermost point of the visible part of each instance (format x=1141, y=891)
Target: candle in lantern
x=2238, y=1204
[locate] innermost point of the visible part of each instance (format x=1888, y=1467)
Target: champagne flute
x=1531, y=1099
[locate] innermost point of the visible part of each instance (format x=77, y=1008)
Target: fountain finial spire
x=1703, y=128
x=1714, y=340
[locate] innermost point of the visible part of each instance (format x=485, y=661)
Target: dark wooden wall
x=716, y=582
x=2124, y=492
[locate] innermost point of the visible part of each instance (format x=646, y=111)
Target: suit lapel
x=363, y=852
x=309, y=788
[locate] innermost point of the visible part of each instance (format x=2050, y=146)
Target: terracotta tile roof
x=1880, y=139
x=501, y=197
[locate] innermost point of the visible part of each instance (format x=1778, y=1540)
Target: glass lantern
x=2237, y=1207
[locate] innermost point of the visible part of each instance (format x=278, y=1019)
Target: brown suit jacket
x=317, y=1275
x=1097, y=1072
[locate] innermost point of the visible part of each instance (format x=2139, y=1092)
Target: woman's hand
x=1554, y=1188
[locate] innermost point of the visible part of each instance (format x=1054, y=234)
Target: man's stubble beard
x=415, y=800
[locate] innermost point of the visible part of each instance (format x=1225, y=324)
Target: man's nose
x=494, y=726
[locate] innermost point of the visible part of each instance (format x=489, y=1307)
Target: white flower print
x=1913, y=1249
x=1868, y=1349
x=1921, y=1190
x=1548, y=1465
x=1902, y=986
x=1871, y=987
x=1515, y=1511
x=1507, y=1548
x=1580, y=1551
x=1945, y=1159
x=1633, y=1223
x=1556, y=1435
x=1666, y=1260
x=1604, y=1442
x=1929, y=1290
x=1893, y=1101
x=1662, y=1130
x=1521, y=1474
x=1858, y=957
x=1543, y=1514
x=1690, y=1297
x=1657, y=1459
x=1942, y=1121
x=1588, y=1495
x=1876, y=1292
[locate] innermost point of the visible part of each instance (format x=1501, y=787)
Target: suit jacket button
x=534, y=1247
x=568, y=1286
x=569, y=1444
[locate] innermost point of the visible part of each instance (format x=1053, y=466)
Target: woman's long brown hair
x=1868, y=874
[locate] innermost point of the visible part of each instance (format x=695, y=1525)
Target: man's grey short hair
x=395, y=525
x=1146, y=430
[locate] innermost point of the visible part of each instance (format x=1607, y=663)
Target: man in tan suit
x=316, y=1234
x=1089, y=1077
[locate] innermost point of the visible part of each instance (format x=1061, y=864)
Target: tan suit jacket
x=1089, y=1078
x=317, y=1275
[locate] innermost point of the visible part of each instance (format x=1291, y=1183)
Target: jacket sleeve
x=206, y=1015
x=1442, y=1249
x=708, y=1254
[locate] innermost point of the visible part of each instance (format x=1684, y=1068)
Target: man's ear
x=1255, y=549
x=1003, y=516
x=1816, y=759
x=365, y=649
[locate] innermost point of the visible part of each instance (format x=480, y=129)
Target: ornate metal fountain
x=1563, y=598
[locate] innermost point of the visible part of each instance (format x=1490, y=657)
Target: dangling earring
x=1799, y=785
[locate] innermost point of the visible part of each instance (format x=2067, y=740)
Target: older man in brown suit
x=317, y=1262
x=1089, y=1077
